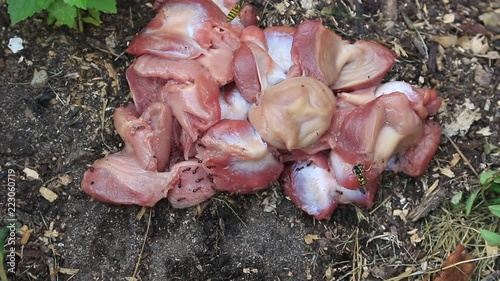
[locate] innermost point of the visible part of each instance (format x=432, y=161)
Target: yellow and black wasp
x=235, y=10
x=359, y=170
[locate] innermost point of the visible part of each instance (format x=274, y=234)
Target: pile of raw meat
x=228, y=107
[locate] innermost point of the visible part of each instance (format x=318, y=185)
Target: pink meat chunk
x=119, y=178
x=236, y=158
x=145, y=90
x=149, y=136
x=322, y=54
x=425, y=102
x=184, y=29
x=312, y=186
x=415, y=159
x=370, y=134
x=195, y=106
x=233, y=105
x=192, y=187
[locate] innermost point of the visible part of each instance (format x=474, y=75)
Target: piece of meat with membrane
x=415, y=159
x=371, y=134
x=425, y=102
x=185, y=29
x=254, y=71
x=279, y=40
x=195, y=106
x=367, y=64
x=233, y=105
x=144, y=90
x=149, y=135
x=312, y=186
x=237, y=159
x=262, y=61
x=294, y=113
x=318, y=52
x=192, y=185
x=119, y=178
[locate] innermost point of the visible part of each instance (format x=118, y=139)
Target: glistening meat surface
x=228, y=107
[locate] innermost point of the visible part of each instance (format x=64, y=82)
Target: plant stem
x=3, y=275
x=79, y=20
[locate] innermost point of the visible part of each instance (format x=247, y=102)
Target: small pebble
x=15, y=44
x=40, y=79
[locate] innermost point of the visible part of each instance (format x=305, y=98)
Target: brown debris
x=456, y=272
x=482, y=77
x=389, y=9
x=428, y=203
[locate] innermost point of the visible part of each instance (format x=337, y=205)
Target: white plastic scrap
x=15, y=44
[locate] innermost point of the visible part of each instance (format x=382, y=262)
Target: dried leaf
x=26, y=233
x=460, y=272
x=399, y=50
x=401, y=214
x=329, y=273
x=68, y=271
x=447, y=172
x=482, y=77
x=48, y=194
x=449, y=18
x=65, y=179
x=455, y=160
x=484, y=131
x=31, y=174
x=491, y=250
x=309, y=238
x=462, y=122
x=491, y=20
x=446, y=41
x=479, y=44
x=51, y=233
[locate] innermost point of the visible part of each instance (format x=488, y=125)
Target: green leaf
x=22, y=9
x=491, y=149
x=91, y=20
x=495, y=209
x=107, y=6
x=62, y=13
x=82, y=4
x=489, y=176
x=3, y=235
x=495, y=188
x=485, y=177
x=470, y=201
x=490, y=237
x=95, y=14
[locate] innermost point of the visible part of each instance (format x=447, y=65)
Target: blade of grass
x=470, y=201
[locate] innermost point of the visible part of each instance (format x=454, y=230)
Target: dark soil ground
x=58, y=130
